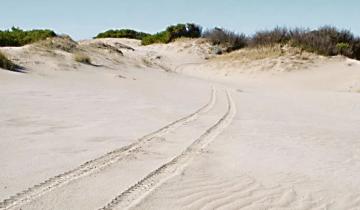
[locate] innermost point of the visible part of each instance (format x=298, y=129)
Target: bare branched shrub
x=227, y=39
x=270, y=37
x=326, y=40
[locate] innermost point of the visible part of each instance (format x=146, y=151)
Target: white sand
x=279, y=140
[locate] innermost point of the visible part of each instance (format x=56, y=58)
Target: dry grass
x=147, y=62
x=265, y=52
x=64, y=43
x=82, y=58
x=250, y=54
x=5, y=63
x=275, y=58
x=104, y=46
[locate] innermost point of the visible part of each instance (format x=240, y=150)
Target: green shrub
x=161, y=37
x=5, y=63
x=82, y=58
x=17, y=37
x=190, y=30
x=343, y=48
x=173, y=32
x=122, y=33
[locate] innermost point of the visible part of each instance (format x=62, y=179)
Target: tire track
x=141, y=189
x=99, y=163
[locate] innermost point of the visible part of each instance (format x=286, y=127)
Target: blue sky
x=85, y=18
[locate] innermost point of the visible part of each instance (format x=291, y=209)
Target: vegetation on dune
x=161, y=37
x=82, y=58
x=18, y=37
x=257, y=53
x=228, y=39
x=343, y=48
x=270, y=37
x=173, y=32
x=63, y=42
x=5, y=63
x=327, y=40
x=104, y=46
x=122, y=33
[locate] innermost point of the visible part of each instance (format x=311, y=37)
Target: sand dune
x=176, y=127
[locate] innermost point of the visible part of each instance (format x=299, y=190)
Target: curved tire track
x=99, y=163
x=141, y=189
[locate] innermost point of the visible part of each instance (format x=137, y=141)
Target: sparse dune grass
x=277, y=58
x=64, y=43
x=104, y=46
x=257, y=53
x=82, y=58
x=5, y=63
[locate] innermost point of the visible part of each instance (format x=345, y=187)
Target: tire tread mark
x=142, y=188
x=99, y=163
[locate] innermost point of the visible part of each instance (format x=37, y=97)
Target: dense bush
x=228, y=39
x=17, y=37
x=326, y=40
x=122, y=33
x=184, y=30
x=173, y=32
x=355, y=48
x=270, y=37
x=161, y=37
x=343, y=48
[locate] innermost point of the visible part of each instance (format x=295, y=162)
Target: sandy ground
x=165, y=127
